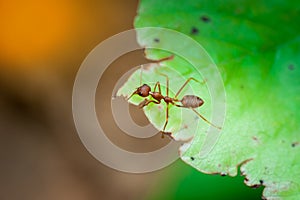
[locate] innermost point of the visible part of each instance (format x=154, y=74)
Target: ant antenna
x=140, y=83
x=141, y=74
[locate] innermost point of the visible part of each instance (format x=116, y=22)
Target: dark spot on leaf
x=205, y=19
x=194, y=31
x=246, y=179
x=261, y=182
x=192, y=158
x=156, y=40
x=254, y=138
x=291, y=67
x=295, y=144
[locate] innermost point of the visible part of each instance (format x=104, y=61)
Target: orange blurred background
x=42, y=44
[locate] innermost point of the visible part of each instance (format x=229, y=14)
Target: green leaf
x=256, y=47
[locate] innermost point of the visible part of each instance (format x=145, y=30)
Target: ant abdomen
x=191, y=101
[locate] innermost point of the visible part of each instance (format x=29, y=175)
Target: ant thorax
x=156, y=95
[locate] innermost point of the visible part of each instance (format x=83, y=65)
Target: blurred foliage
x=184, y=182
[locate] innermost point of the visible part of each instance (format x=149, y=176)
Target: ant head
x=143, y=91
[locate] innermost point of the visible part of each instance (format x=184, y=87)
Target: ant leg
x=167, y=82
x=167, y=118
x=177, y=104
x=163, y=59
x=205, y=119
x=186, y=82
x=157, y=85
x=199, y=116
x=146, y=103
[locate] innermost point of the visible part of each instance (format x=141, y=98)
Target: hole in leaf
x=223, y=174
x=255, y=186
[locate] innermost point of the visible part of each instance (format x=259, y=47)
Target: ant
x=188, y=101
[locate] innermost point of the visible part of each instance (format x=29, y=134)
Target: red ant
x=188, y=101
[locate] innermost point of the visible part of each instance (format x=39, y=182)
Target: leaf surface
x=256, y=47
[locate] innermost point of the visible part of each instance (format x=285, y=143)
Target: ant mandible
x=188, y=101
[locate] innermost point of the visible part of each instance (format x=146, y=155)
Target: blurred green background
x=42, y=45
